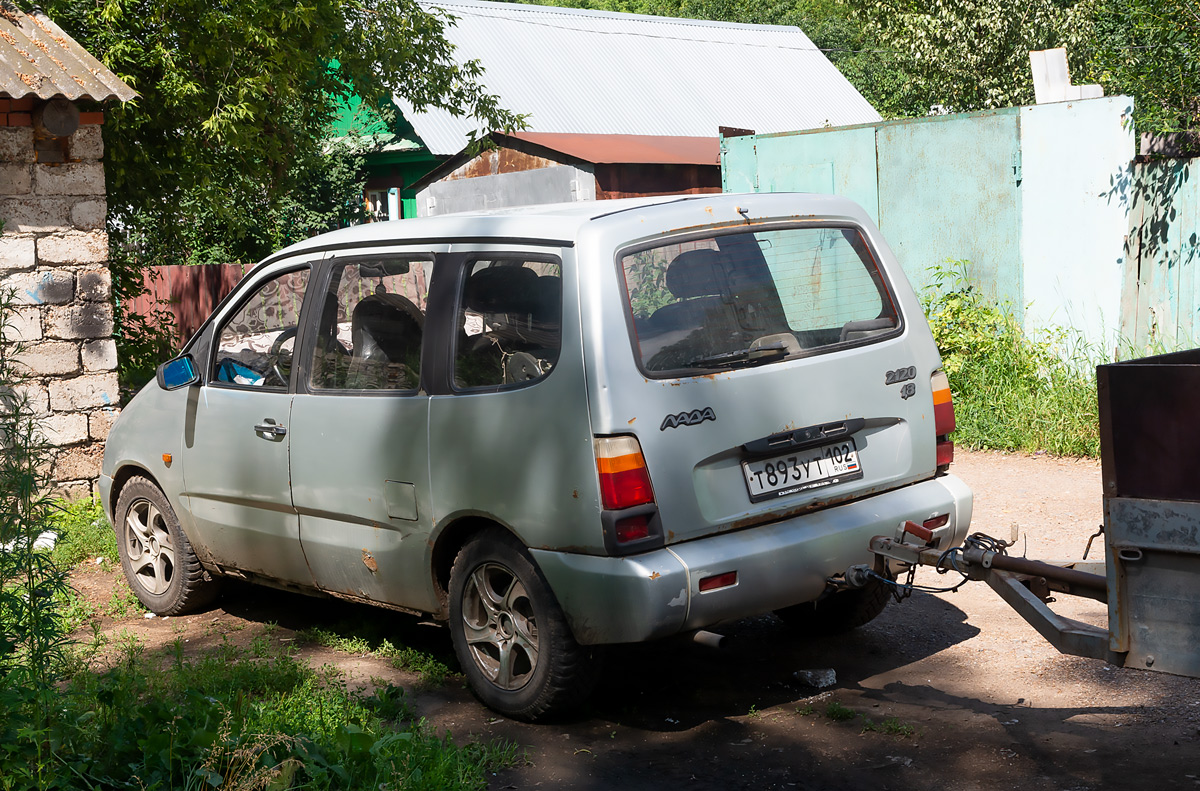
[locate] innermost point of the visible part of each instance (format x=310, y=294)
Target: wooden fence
x=189, y=293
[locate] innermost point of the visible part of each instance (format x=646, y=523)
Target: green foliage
x=1012, y=391
x=33, y=635
x=971, y=56
x=1148, y=49
x=839, y=712
x=431, y=670
x=223, y=154
x=226, y=154
x=230, y=720
x=892, y=726
x=83, y=533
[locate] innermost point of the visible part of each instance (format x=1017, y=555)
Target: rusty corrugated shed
x=628, y=149
x=38, y=59
x=600, y=72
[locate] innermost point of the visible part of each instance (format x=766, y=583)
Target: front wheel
x=510, y=636
x=155, y=554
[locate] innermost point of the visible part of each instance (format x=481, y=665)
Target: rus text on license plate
x=807, y=469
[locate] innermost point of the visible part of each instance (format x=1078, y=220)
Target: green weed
x=1012, y=390
x=83, y=533
x=230, y=720
x=431, y=670
x=839, y=713
x=892, y=726
x=122, y=602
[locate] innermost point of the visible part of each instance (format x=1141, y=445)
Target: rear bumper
x=656, y=594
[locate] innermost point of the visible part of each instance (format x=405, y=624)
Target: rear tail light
x=624, y=479
x=943, y=418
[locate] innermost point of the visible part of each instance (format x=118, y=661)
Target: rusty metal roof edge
x=57, y=65
x=604, y=149
x=558, y=142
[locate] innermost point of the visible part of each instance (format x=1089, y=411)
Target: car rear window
x=745, y=299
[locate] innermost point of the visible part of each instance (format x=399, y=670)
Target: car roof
x=560, y=223
x=556, y=222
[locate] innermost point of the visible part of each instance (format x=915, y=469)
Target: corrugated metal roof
x=628, y=149
x=601, y=72
x=38, y=59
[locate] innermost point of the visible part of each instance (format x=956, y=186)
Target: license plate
x=807, y=469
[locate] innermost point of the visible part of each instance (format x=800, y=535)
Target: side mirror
x=177, y=373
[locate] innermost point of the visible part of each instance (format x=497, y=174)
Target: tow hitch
x=1150, y=577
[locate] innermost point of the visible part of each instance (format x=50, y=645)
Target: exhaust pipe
x=709, y=639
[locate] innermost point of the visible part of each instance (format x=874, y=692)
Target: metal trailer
x=1150, y=578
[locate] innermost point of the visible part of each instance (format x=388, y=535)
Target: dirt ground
x=949, y=691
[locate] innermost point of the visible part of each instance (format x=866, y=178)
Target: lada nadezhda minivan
x=555, y=428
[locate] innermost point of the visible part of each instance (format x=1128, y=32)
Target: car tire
x=510, y=635
x=840, y=611
x=157, y=558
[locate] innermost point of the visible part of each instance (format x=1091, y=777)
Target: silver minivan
x=555, y=428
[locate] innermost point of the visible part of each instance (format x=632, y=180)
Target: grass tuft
x=83, y=533
x=432, y=671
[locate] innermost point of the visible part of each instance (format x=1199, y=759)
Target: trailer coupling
x=1028, y=586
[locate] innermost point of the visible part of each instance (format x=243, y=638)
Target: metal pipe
x=1036, y=568
x=710, y=639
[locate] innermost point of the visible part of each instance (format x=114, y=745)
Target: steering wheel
x=277, y=366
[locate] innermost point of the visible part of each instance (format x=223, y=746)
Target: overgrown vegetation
x=431, y=670
x=230, y=720
x=33, y=635
x=1012, y=390
x=221, y=718
x=82, y=533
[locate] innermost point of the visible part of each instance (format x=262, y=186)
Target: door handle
x=270, y=428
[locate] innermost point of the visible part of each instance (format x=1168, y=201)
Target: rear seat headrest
x=696, y=273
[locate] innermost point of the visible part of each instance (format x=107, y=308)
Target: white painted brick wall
x=49, y=359
x=16, y=252
x=73, y=248
x=83, y=392
x=100, y=355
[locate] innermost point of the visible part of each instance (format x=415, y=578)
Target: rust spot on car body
x=369, y=561
x=631, y=420
x=575, y=494
x=655, y=575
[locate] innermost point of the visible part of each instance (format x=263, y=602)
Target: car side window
x=255, y=344
x=509, y=322
x=371, y=327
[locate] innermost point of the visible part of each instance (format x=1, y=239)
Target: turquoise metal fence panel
x=1034, y=198
x=949, y=189
x=830, y=161
x=1161, y=300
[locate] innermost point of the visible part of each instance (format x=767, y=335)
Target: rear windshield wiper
x=753, y=355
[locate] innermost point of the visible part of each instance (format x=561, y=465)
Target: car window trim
x=464, y=266
x=303, y=384
x=248, y=291
x=727, y=230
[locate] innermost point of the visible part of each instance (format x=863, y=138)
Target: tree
x=235, y=98
x=1151, y=50
x=974, y=54
x=226, y=154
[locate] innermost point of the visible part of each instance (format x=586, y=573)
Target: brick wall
x=53, y=253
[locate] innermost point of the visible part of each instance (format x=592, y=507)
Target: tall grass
x=1012, y=390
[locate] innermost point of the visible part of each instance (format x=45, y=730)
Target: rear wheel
x=155, y=554
x=840, y=611
x=510, y=635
